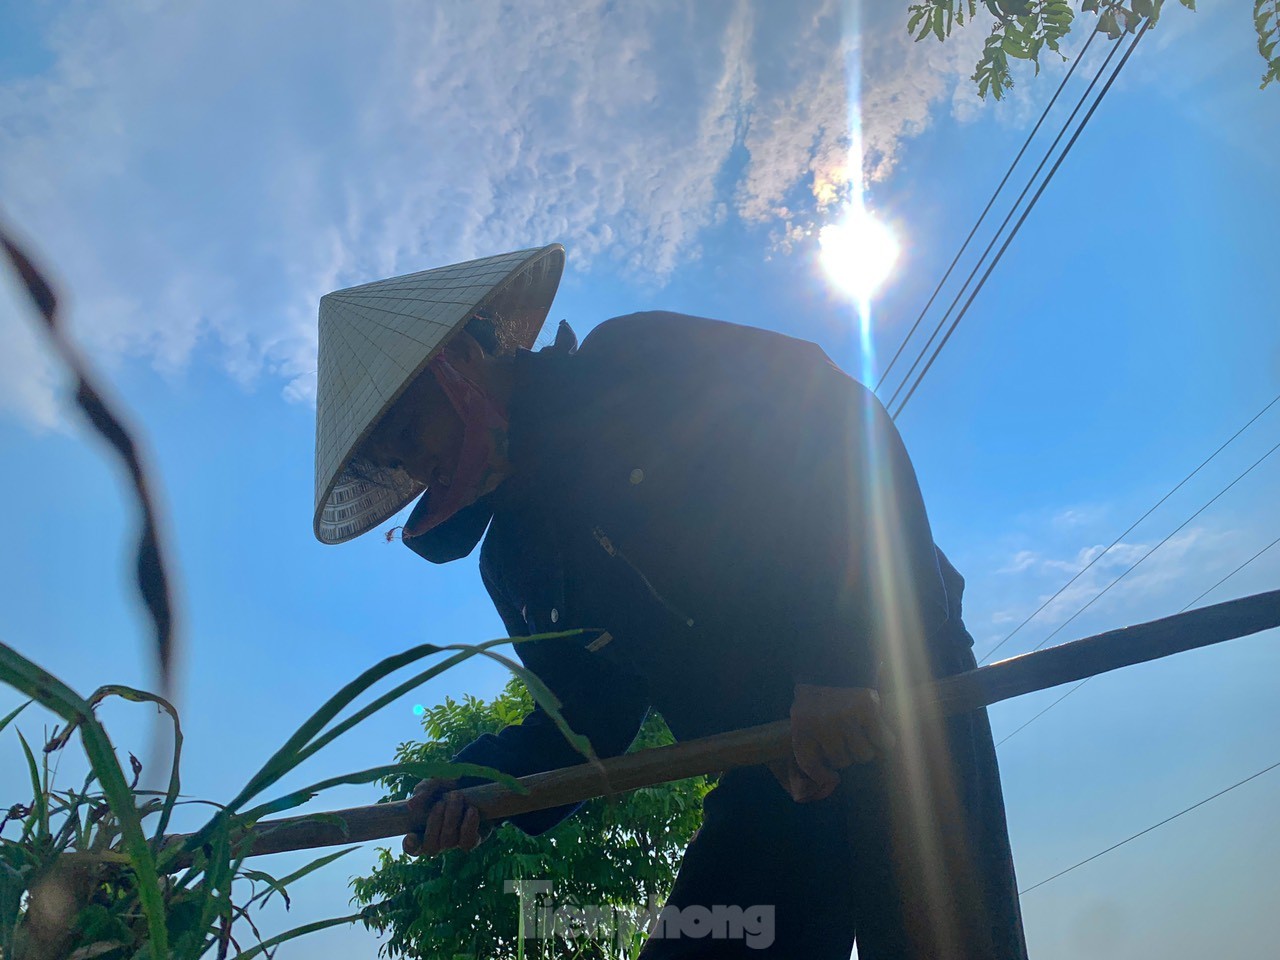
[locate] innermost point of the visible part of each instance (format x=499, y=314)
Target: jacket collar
x=537, y=376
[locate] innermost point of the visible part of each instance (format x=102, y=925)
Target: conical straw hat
x=377, y=337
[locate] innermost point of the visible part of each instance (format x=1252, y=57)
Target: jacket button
x=555, y=615
x=637, y=476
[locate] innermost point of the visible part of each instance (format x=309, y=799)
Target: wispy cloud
x=27, y=375
x=1022, y=560
x=1079, y=515
x=1128, y=576
x=200, y=175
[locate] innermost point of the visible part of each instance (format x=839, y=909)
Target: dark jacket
x=722, y=509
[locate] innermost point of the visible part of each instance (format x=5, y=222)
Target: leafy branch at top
x=1266, y=20
x=1025, y=29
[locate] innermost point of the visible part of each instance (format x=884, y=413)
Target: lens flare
x=858, y=253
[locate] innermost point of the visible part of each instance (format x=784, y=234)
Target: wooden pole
x=967, y=691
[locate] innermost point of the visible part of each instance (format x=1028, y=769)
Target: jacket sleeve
x=857, y=550
x=597, y=700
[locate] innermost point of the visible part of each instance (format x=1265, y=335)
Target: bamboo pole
x=956, y=694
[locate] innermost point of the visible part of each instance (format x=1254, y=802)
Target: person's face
x=422, y=434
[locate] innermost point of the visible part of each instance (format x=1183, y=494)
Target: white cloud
x=199, y=174
x=802, y=122
x=1080, y=515
x=1127, y=577
x=1022, y=560
x=26, y=368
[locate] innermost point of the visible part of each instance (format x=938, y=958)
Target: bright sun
x=858, y=253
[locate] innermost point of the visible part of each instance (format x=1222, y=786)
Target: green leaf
x=466, y=651
x=1060, y=17
x=548, y=701
x=13, y=714
x=296, y=932
x=423, y=771
x=308, y=738
x=175, y=780
x=918, y=13
x=1014, y=49
x=39, y=818
x=281, y=886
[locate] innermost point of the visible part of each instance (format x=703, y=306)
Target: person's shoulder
x=647, y=327
x=635, y=336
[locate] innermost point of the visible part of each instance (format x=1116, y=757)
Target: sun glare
x=858, y=252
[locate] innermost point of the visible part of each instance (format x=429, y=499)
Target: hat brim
x=350, y=501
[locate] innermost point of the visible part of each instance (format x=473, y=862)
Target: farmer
x=736, y=529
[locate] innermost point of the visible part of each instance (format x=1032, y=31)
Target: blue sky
x=197, y=176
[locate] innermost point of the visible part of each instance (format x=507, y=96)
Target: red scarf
x=484, y=428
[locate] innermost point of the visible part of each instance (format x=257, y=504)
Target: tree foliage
x=620, y=853
x=1266, y=21
x=1025, y=29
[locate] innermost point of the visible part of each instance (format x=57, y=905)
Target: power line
x=1003, y=224
x=1022, y=219
x=1154, y=826
x=1105, y=590
x=1246, y=563
x=1044, y=114
x=1232, y=574
x=1009, y=736
x=1181, y=483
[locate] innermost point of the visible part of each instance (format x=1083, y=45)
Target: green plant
x=67, y=890
x=618, y=854
x=85, y=878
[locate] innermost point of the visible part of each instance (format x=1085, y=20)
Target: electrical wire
x=920, y=355
x=1009, y=736
x=1154, y=826
x=1105, y=590
x=1021, y=220
x=1231, y=574
x=1028, y=723
x=1181, y=483
x=1044, y=114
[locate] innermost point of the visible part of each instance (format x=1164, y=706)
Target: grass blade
x=296, y=932
x=150, y=568
x=13, y=715
x=39, y=817
x=424, y=771
x=468, y=651
x=289, y=755
x=280, y=886
x=548, y=701
x=175, y=779
x=309, y=737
